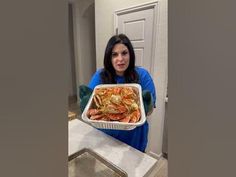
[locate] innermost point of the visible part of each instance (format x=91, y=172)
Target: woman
x=119, y=67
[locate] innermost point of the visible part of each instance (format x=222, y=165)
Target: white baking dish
x=115, y=124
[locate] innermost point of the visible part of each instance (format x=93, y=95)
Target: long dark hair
x=108, y=73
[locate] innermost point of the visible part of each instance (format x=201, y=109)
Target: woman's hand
x=147, y=102
x=84, y=94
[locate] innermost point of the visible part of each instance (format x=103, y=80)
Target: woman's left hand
x=147, y=102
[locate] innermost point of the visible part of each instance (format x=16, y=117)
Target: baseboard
x=154, y=155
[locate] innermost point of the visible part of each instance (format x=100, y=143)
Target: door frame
x=151, y=5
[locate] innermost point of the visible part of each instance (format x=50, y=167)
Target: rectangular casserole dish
x=116, y=124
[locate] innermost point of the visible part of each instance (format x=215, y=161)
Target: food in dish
x=115, y=104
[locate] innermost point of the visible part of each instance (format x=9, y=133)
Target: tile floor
x=161, y=169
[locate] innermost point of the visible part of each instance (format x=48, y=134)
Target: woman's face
x=120, y=58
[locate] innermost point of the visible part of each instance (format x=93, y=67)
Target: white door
x=138, y=24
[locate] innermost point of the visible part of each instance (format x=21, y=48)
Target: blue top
x=137, y=137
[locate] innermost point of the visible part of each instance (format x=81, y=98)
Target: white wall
x=160, y=80
x=84, y=35
x=104, y=19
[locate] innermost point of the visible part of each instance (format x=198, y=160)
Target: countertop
x=132, y=161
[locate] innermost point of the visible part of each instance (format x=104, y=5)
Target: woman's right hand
x=84, y=94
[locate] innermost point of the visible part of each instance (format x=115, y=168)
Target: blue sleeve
x=95, y=80
x=147, y=83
